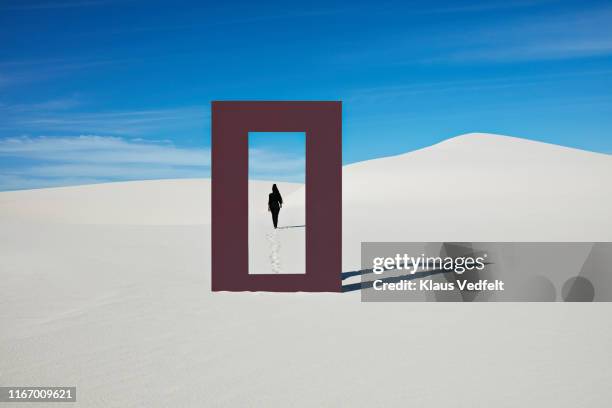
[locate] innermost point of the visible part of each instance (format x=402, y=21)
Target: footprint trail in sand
x=274, y=256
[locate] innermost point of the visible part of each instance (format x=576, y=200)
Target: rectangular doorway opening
x=277, y=158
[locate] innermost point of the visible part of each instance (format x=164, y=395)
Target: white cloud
x=587, y=33
x=19, y=72
x=546, y=33
x=540, y=49
x=56, y=161
x=103, y=149
x=45, y=161
x=55, y=116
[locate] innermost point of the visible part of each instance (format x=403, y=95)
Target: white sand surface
x=107, y=287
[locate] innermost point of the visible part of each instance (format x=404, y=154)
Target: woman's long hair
x=277, y=194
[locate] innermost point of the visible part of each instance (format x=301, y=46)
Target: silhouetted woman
x=275, y=202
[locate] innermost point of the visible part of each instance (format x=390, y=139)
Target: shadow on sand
x=368, y=284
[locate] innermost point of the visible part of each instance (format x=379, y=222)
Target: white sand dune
x=481, y=187
x=107, y=287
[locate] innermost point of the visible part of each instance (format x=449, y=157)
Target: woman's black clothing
x=275, y=202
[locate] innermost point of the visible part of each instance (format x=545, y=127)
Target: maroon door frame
x=231, y=123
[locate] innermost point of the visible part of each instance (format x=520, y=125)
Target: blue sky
x=271, y=151
x=103, y=90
